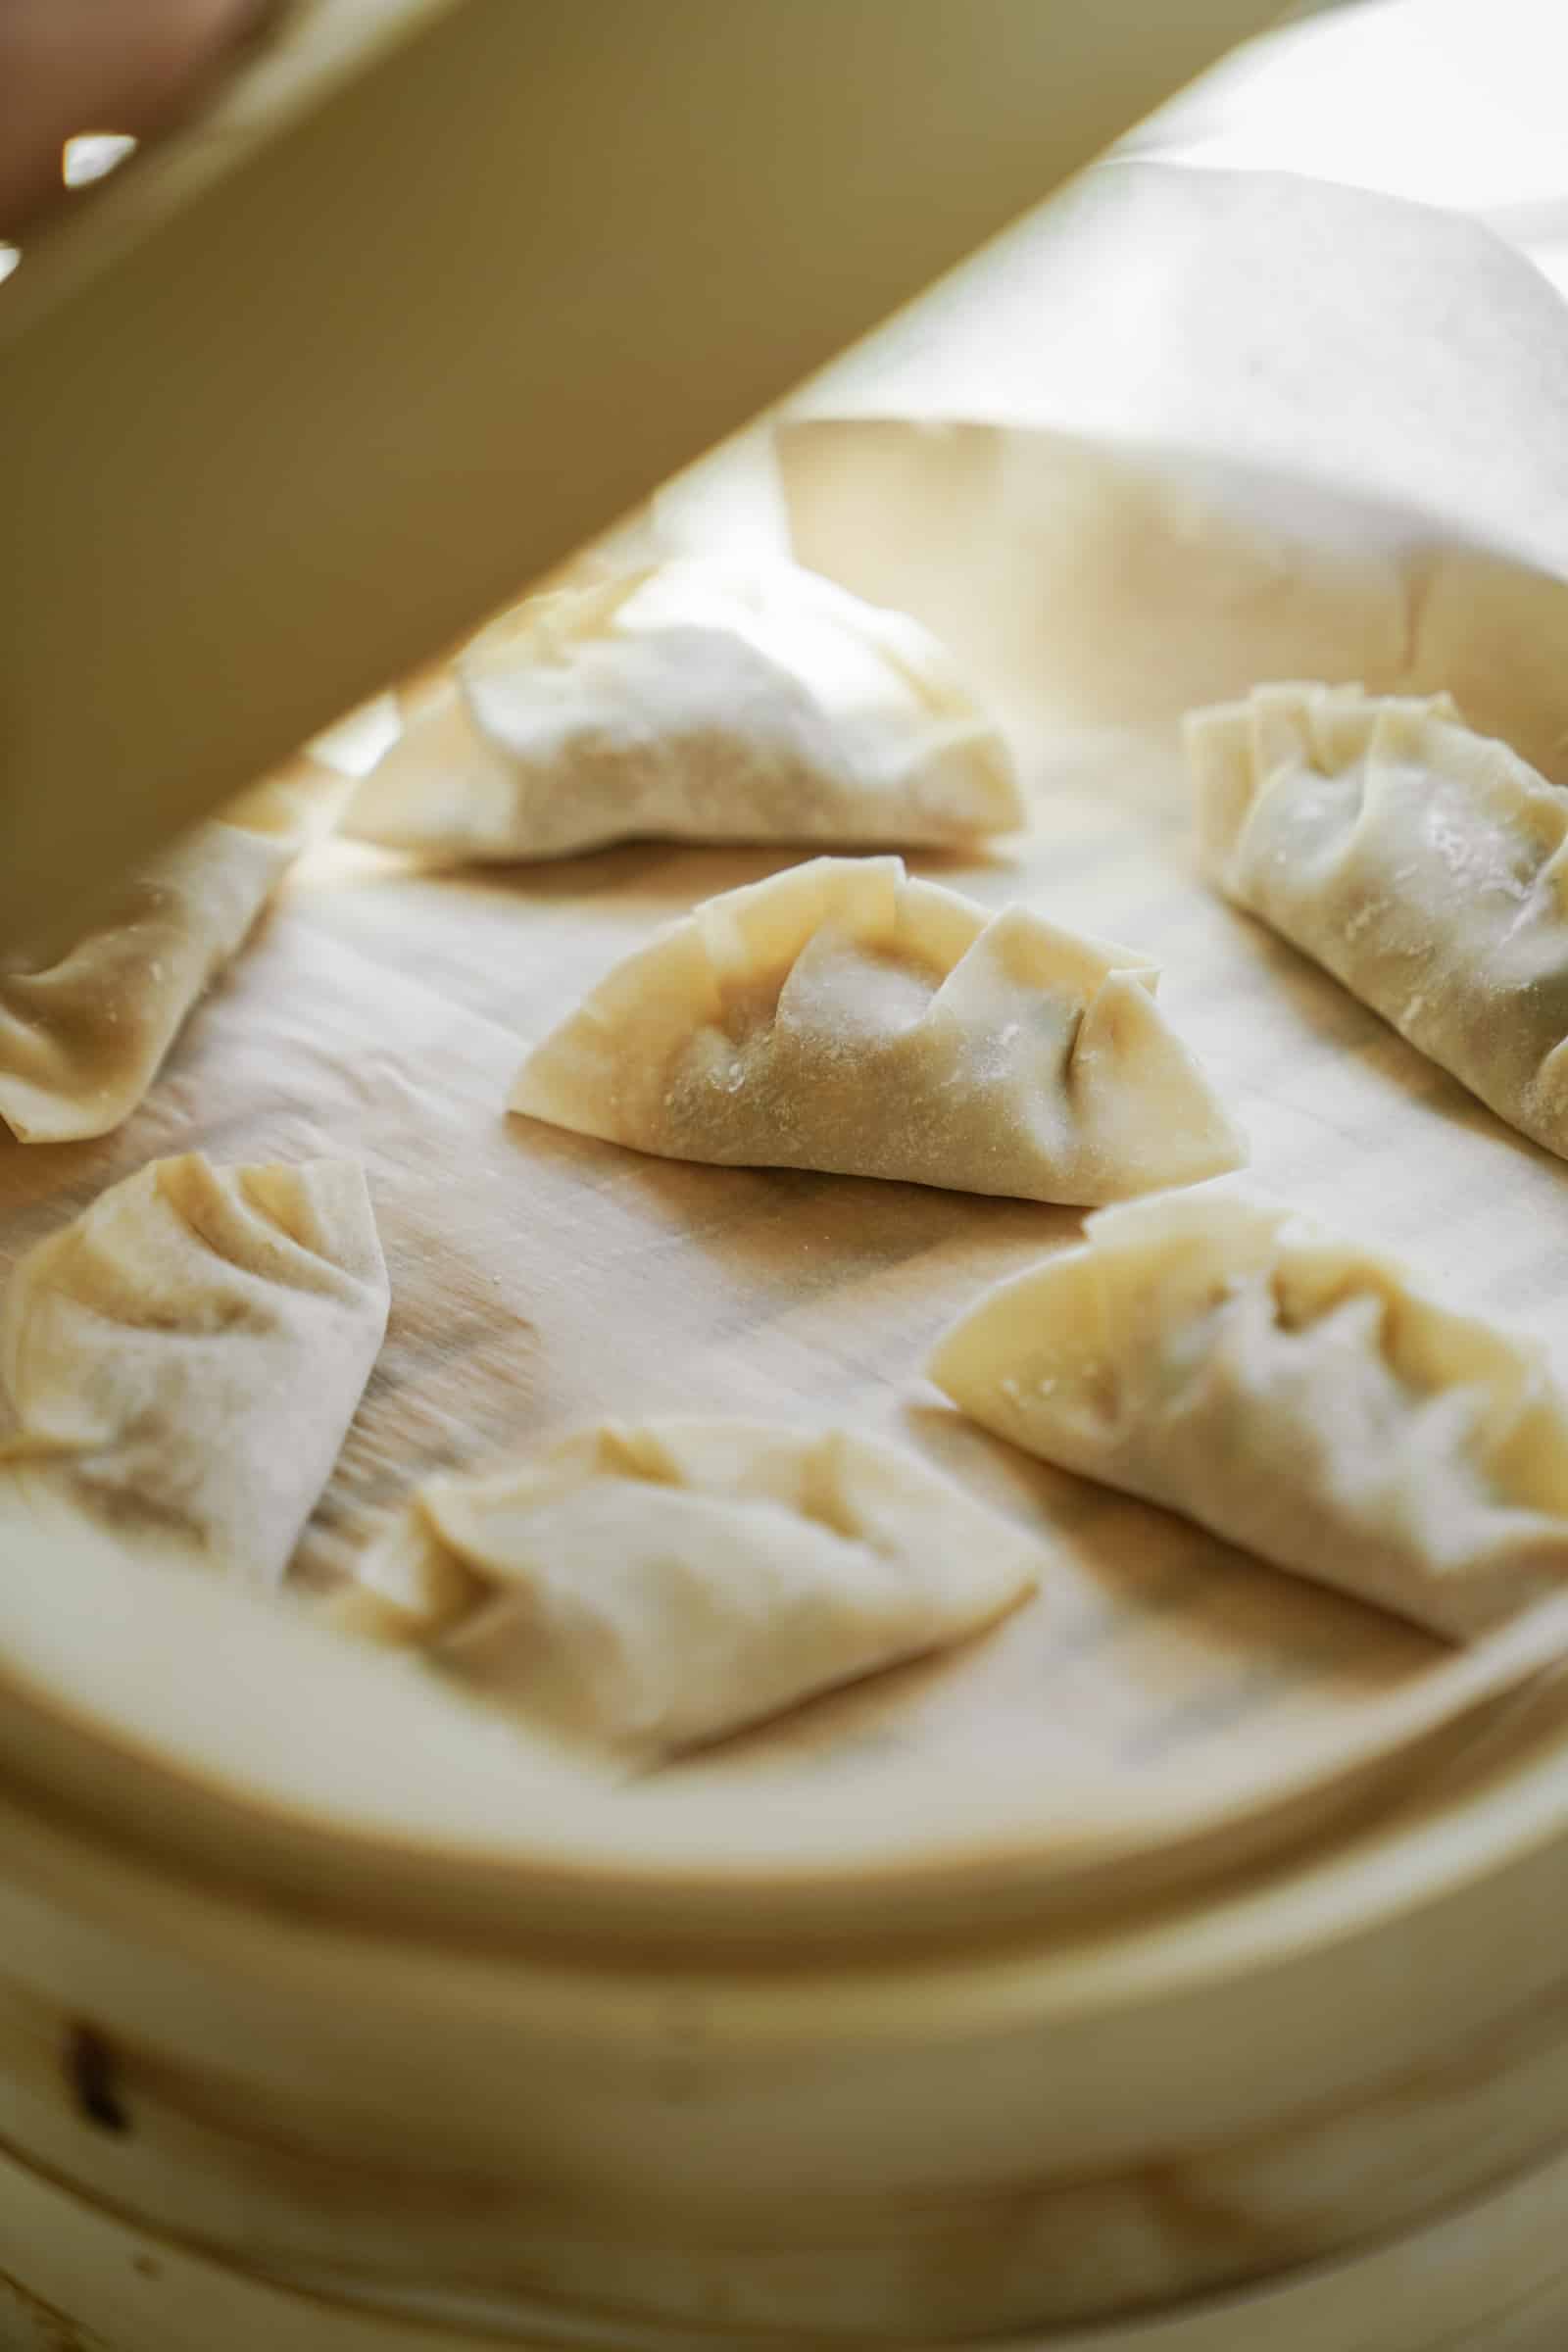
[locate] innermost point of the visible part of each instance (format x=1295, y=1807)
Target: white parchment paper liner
x=1191, y=430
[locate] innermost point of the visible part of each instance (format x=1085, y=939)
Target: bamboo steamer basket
x=1490, y=2279
x=264, y=2066
x=300, y=2052
x=317, y=2032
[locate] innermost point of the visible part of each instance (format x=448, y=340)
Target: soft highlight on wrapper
x=844, y=1017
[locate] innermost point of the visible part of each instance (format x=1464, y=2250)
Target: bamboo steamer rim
x=225, y=1737
x=1494, y=2262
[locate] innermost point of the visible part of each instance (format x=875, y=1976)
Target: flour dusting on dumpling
x=183, y=1360
x=1423, y=865
x=695, y=701
x=840, y=1016
x=83, y=1036
x=1301, y=1397
x=645, y=1588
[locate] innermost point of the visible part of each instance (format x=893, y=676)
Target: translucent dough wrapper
x=694, y=700
x=647, y=1589
x=844, y=1017
x=184, y=1361
x=1301, y=1397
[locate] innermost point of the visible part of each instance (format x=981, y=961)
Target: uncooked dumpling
x=1301, y=1397
x=644, y=1589
x=82, y=1039
x=1423, y=865
x=693, y=702
x=184, y=1361
x=840, y=1016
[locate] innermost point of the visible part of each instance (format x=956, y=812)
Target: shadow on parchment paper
x=1146, y=1638
x=360, y=866
x=791, y=1234
x=1308, y=1008
x=1131, y=1560
x=673, y=875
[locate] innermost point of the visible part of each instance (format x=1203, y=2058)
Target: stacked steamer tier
x=273, y=2081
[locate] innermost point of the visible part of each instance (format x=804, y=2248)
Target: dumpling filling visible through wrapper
x=1300, y=1397
x=1423, y=865
x=646, y=1589
x=82, y=1038
x=843, y=1017
x=184, y=1361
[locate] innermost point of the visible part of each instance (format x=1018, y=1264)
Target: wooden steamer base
x=281, y=2071
x=1316, y=2105
x=1492, y=2278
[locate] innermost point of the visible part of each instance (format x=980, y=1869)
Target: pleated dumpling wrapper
x=82, y=1035
x=1301, y=1397
x=183, y=1363
x=1425, y=866
x=693, y=702
x=840, y=1016
x=644, y=1589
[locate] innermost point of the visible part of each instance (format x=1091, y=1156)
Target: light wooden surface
x=1491, y=2278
